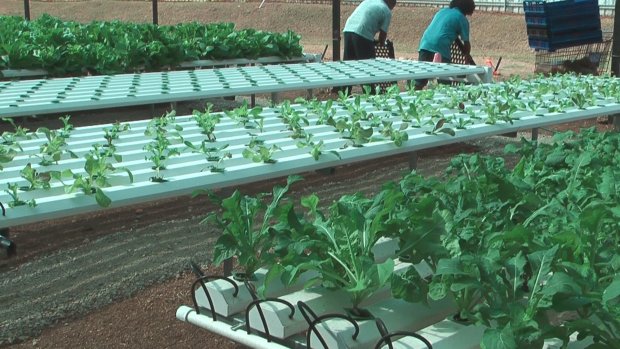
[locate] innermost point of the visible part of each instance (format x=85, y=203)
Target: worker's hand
x=469, y=60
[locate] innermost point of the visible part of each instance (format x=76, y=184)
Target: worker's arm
x=466, y=48
x=467, y=53
x=382, y=37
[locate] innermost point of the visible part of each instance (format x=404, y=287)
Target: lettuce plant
x=341, y=246
x=249, y=226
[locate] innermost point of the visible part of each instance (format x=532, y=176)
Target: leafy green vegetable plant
x=6, y=155
x=207, y=121
x=112, y=133
x=19, y=132
x=97, y=169
x=67, y=127
x=212, y=154
x=344, y=243
x=295, y=121
x=248, y=117
x=316, y=148
x=35, y=178
x=70, y=48
x=257, y=151
x=160, y=148
x=13, y=191
x=56, y=145
x=398, y=136
x=249, y=225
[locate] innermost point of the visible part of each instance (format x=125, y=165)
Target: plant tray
x=385, y=51
x=561, y=41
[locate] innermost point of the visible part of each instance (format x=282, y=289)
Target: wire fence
x=508, y=6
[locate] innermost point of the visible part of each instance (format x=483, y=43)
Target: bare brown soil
x=136, y=258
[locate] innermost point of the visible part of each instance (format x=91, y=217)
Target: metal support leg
x=616, y=122
x=274, y=98
x=413, y=160
x=309, y=93
x=228, y=266
x=6, y=243
x=535, y=134
x=252, y=100
x=152, y=109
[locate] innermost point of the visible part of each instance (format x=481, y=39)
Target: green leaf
x=102, y=199
x=612, y=291
x=437, y=290
x=450, y=267
x=494, y=338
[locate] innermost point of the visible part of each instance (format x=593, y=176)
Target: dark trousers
x=357, y=47
x=426, y=56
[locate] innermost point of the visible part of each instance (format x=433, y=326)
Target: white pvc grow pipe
x=187, y=314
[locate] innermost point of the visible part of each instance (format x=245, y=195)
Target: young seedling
x=112, y=133
x=67, y=127
x=54, y=148
x=294, y=119
x=207, y=121
x=160, y=148
x=6, y=155
x=323, y=110
x=19, y=133
x=212, y=153
x=462, y=123
x=97, y=169
x=360, y=135
x=414, y=111
x=13, y=191
x=35, y=178
x=261, y=153
x=316, y=148
x=217, y=167
x=356, y=111
x=398, y=136
x=439, y=128
x=246, y=116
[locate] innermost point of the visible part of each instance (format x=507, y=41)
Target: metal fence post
x=155, y=14
x=27, y=9
x=336, y=30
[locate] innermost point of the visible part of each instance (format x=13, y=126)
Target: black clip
x=314, y=320
x=386, y=336
x=256, y=302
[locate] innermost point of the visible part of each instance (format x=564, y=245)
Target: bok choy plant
x=249, y=226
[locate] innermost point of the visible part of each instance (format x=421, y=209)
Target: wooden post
x=27, y=9
x=155, y=13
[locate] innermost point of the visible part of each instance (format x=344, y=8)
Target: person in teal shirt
x=368, y=19
x=447, y=25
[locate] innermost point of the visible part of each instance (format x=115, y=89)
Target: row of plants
x=70, y=48
x=256, y=134
x=531, y=252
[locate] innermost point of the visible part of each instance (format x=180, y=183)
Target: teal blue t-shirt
x=370, y=17
x=446, y=26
